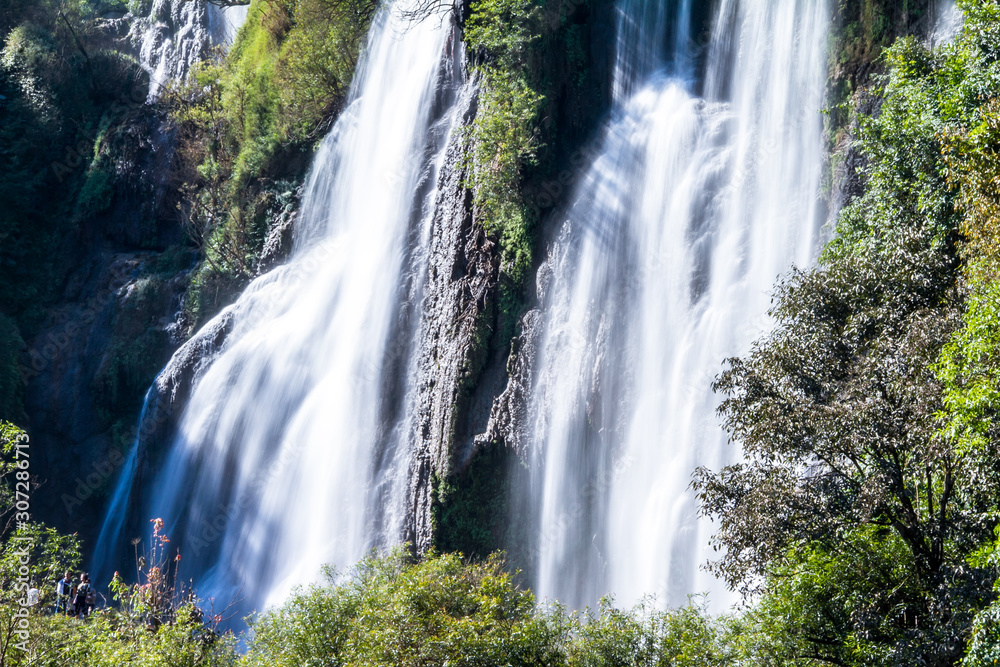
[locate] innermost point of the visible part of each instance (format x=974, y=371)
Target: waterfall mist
x=662, y=270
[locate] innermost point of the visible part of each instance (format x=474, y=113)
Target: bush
x=646, y=636
x=435, y=612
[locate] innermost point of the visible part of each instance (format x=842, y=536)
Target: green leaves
x=867, y=415
x=388, y=612
x=504, y=143
x=503, y=29
x=646, y=635
x=969, y=367
x=443, y=611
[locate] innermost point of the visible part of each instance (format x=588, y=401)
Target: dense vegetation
x=60, y=92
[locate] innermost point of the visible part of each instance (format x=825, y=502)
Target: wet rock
x=508, y=424
x=278, y=243
x=67, y=367
x=173, y=35
x=172, y=388
x=454, y=339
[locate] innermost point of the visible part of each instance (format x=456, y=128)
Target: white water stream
x=662, y=270
x=284, y=460
x=948, y=22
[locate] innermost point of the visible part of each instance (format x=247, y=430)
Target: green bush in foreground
x=442, y=611
x=439, y=611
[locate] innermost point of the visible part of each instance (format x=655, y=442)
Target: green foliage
x=867, y=28
x=970, y=369
x=44, y=553
x=505, y=134
x=108, y=640
x=95, y=195
x=57, y=86
x=442, y=611
x=152, y=624
x=648, y=637
x=436, y=612
x=905, y=179
x=984, y=643
x=848, y=603
x=48, y=554
x=12, y=438
x=503, y=145
x=504, y=29
x=250, y=117
x=469, y=510
x=969, y=365
x=31, y=554
x=388, y=611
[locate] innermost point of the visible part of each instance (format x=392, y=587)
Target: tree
x=838, y=410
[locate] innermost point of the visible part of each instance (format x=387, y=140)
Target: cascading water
x=292, y=451
x=175, y=34
x=947, y=22
x=171, y=37
x=662, y=270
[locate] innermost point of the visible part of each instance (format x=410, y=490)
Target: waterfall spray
x=662, y=270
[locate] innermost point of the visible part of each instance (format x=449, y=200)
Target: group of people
x=75, y=599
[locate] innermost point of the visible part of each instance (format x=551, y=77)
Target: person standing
x=64, y=591
x=82, y=593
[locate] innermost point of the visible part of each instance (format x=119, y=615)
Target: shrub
x=387, y=612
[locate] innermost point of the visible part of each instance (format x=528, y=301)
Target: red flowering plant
x=157, y=598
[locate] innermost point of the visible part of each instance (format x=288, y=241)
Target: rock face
x=278, y=243
x=453, y=340
x=460, y=359
x=73, y=378
x=171, y=390
x=508, y=424
x=137, y=157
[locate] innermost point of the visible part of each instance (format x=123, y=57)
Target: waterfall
x=175, y=34
x=662, y=270
x=948, y=21
x=291, y=452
